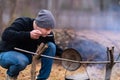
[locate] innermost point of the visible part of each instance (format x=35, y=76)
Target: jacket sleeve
x=16, y=32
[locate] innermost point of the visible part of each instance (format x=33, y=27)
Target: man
x=27, y=33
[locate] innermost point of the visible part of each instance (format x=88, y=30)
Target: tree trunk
x=1, y=15
x=13, y=4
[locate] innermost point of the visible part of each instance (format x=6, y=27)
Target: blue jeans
x=15, y=62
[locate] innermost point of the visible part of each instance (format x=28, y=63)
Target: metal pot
x=71, y=54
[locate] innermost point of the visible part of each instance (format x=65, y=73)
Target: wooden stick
x=111, y=64
x=63, y=59
x=39, y=51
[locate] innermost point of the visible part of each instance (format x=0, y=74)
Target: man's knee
x=22, y=64
x=51, y=45
x=51, y=49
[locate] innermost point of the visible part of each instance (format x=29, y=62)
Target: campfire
x=92, y=50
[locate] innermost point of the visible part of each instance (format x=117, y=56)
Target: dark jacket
x=18, y=35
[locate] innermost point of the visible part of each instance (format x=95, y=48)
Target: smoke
x=89, y=50
x=107, y=19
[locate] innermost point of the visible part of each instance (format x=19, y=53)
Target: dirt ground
x=106, y=38
x=57, y=73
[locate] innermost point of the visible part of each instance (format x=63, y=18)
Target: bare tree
x=3, y=7
x=1, y=14
x=13, y=4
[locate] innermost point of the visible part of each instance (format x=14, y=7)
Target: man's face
x=44, y=31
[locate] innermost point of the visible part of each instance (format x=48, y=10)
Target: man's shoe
x=10, y=78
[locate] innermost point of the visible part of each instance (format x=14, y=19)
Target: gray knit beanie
x=45, y=19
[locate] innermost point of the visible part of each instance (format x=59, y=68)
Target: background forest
x=76, y=14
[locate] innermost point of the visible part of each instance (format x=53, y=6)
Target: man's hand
x=35, y=34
